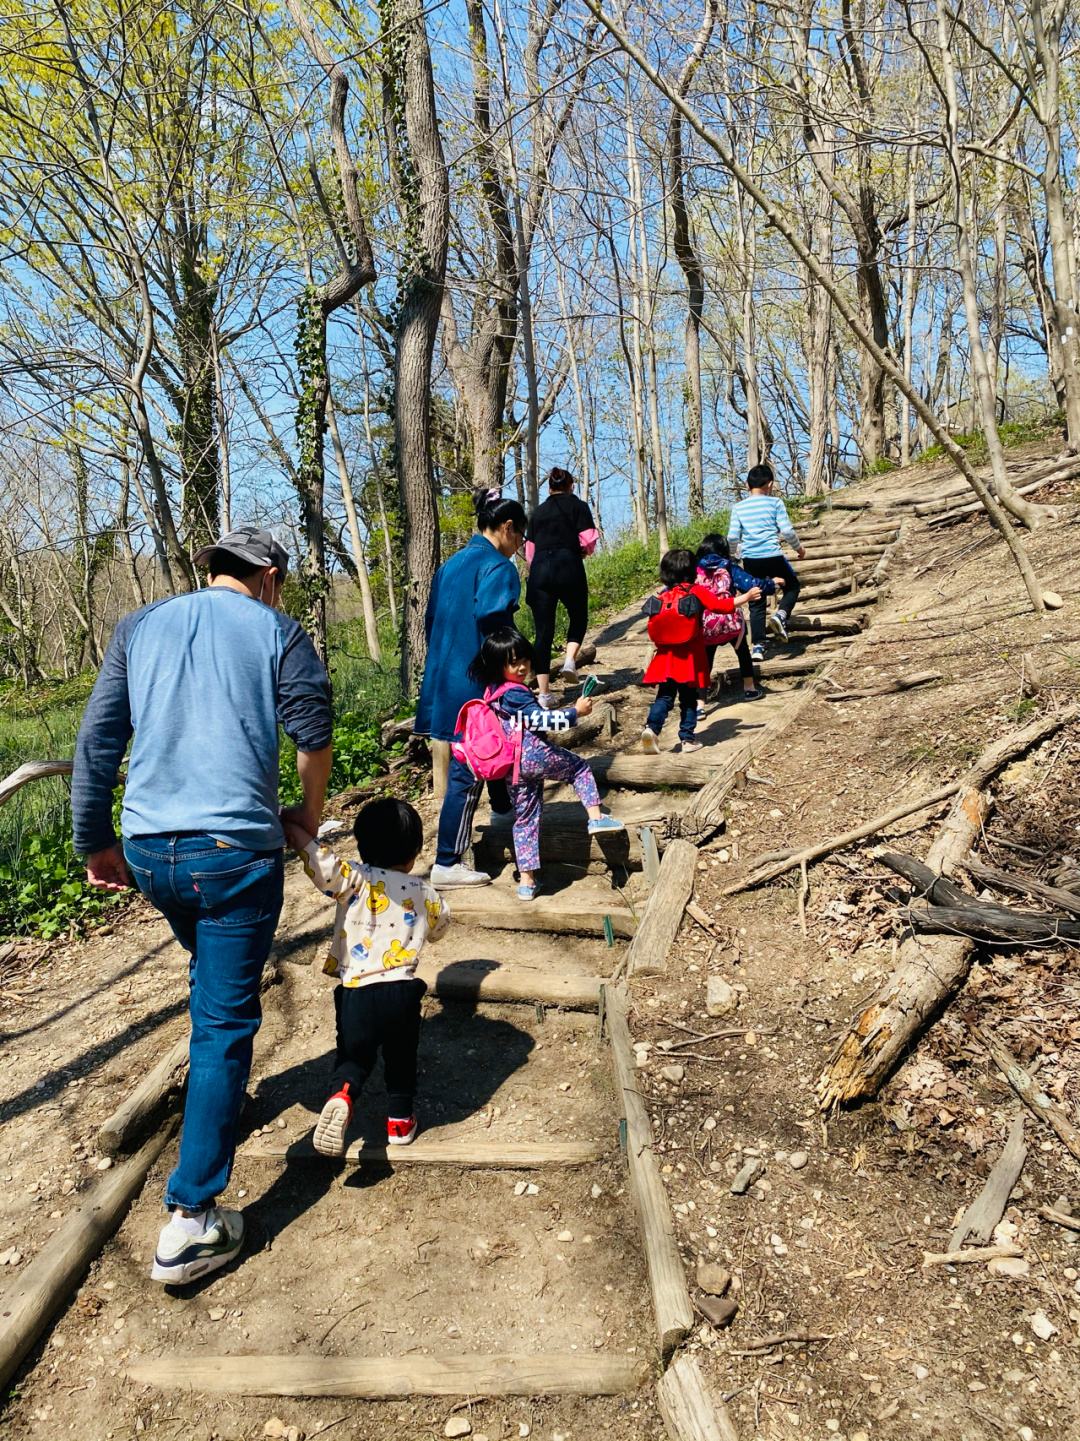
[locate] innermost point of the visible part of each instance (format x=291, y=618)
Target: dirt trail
x=433, y=1259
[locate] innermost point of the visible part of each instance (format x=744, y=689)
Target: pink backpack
x=481, y=740
x=721, y=627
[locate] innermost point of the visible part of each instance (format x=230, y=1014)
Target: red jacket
x=687, y=664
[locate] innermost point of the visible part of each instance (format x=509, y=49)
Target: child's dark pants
x=385, y=1014
x=770, y=567
x=661, y=708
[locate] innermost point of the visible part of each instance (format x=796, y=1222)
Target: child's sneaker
x=330, y=1128
x=757, y=652
x=183, y=1255
x=604, y=824
x=399, y=1132
x=687, y=746
x=778, y=621
x=650, y=743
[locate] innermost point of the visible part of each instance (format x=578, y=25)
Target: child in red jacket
x=679, y=667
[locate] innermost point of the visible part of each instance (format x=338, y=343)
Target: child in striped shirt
x=758, y=525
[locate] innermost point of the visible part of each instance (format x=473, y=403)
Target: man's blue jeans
x=223, y=905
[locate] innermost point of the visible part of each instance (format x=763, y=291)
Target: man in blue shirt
x=199, y=684
x=758, y=525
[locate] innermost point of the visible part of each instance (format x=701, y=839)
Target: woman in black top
x=561, y=533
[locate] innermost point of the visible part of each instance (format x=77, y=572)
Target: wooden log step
x=567, y=844
x=831, y=624
x=479, y=906
x=826, y=588
x=642, y=772
x=850, y=601
x=778, y=669
x=467, y=1152
x=496, y=981
x=690, y=1410
x=841, y=552
x=162, y=1084
x=381, y=1378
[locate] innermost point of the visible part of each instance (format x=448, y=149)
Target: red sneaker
x=400, y=1132
x=330, y=1128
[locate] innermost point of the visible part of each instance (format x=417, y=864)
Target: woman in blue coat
x=475, y=592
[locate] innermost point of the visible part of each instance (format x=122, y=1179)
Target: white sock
x=190, y=1225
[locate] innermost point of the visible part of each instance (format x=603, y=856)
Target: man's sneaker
x=182, y=1258
x=400, y=1132
x=333, y=1122
x=757, y=652
x=687, y=746
x=650, y=743
x=603, y=825
x=447, y=878
x=778, y=621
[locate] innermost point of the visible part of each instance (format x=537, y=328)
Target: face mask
x=272, y=603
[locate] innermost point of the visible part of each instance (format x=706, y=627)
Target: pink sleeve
x=587, y=539
x=530, y=551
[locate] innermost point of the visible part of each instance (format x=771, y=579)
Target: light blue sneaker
x=604, y=825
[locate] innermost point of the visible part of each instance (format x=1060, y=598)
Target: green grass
x=1013, y=433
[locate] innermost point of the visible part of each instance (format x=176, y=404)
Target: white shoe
x=446, y=878
x=757, y=652
x=182, y=1258
x=546, y=701
x=568, y=667
x=650, y=743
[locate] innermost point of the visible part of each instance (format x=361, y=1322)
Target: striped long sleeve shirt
x=757, y=525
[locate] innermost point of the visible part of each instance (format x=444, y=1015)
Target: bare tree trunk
x=692, y=269
x=820, y=348
x=575, y=379
x=907, y=319
x=424, y=200
x=356, y=543
x=982, y=384
x=746, y=249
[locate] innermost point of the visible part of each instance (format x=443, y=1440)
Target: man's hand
x=296, y=835
x=300, y=819
x=107, y=870
x=800, y=554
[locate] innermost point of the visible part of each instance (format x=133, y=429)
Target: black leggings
x=383, y=1016
x=548, y=586
x=742, y=653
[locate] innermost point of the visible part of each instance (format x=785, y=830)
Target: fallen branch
x=837, y=843
x=1059, y=1218
x=1037, y=1101
x=953, y=911
x=785, y=1338
x=974, y=1255
x=988, y=1207
x=901, y=683
x=1019, y=883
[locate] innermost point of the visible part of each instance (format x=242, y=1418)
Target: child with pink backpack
x=718, y=573
x=503, y=736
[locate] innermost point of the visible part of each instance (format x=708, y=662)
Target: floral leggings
x=541, y=762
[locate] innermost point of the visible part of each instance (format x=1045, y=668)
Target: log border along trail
x=634, y=890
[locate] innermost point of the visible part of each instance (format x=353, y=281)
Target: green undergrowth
x=1013, y=433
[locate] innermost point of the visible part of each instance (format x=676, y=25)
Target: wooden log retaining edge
x=667, y=1279
x=689, y=1409
x=663, y=913
x=161, y=1084
x=46, y=1284
x=544, y=914
x=382, y=1378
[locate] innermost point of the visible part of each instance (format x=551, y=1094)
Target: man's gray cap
x=257, y=547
